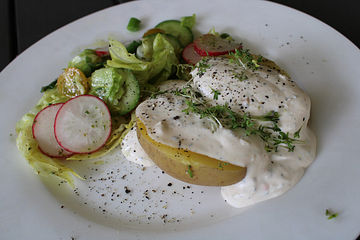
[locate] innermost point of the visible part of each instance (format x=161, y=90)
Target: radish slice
x=213, y=45
x=102, y=53
x=83, y=124
x=190, y=55
x=43, y=132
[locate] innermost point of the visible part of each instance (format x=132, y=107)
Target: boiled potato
x=189, y=166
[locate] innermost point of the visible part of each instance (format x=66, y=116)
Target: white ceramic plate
x=320, y=60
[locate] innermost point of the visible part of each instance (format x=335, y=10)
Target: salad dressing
x=269, y=174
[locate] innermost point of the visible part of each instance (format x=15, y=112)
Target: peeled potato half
x=189, y=166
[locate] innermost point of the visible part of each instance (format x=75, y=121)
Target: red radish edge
x=190, y=55
x=110, y=127
x=101, y=53
x=34, y=135
x=36, y=116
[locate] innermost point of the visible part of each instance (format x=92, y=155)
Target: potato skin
x=188, y=166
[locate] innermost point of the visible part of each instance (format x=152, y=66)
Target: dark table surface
x=24, y=22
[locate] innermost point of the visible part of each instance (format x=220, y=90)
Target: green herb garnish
x=270, y=116
x=51, y=85
x=195, y=103
x=133, y=25
x=241, y=76
x=330, y=214
x=222, y=164
x=202, y=66
x=183, y=71
x=246, y=59
x=189, y=171
x=216, y=93
x=297, y=133
x=155, y=94
x=223, y=116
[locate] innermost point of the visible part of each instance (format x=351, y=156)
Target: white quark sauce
x=133, y=151
x=269, y=174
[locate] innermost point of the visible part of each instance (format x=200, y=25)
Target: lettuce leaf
x=147, y=48
x=188, y=21
x=50, y=96
x=87, y=61
x=159, y=68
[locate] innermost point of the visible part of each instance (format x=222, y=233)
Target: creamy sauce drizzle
x=269, y=174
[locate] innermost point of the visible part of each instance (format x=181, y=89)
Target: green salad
x=121, y=76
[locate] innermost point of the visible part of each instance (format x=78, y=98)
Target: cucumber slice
x=131, y=96
x=174, y=27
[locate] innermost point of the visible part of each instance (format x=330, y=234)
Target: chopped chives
x=133, y=25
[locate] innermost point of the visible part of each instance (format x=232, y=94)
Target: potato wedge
x=188, y=166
